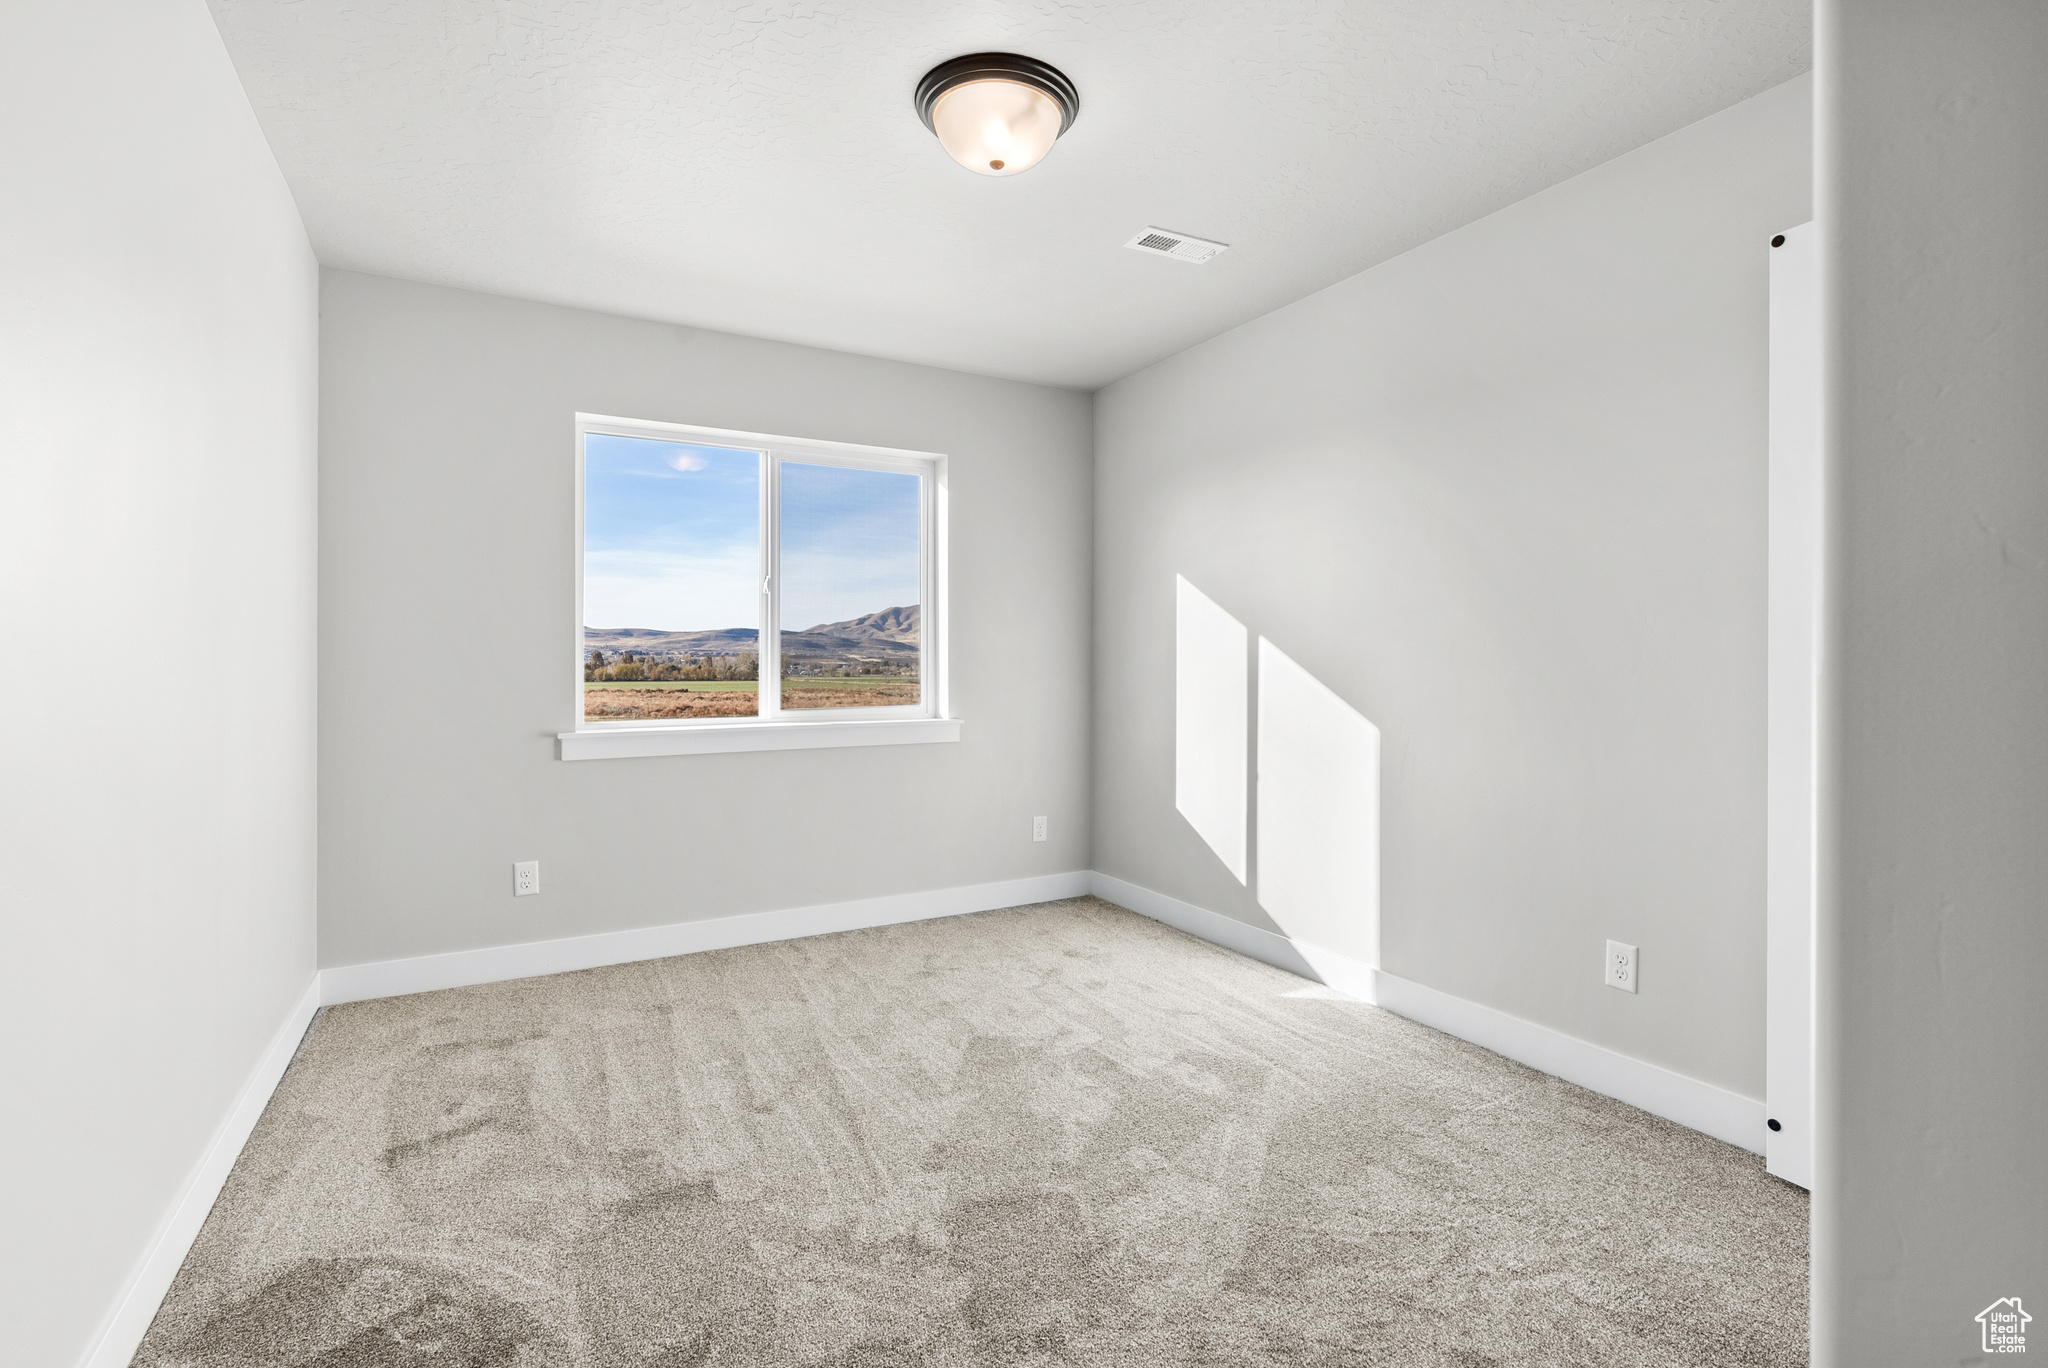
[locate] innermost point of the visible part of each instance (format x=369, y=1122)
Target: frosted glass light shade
x=996, y=128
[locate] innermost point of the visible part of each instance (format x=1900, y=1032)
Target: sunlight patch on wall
x=1319, y=811
x=1210, y=701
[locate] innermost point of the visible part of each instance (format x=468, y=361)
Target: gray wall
x=1931, y=1199
x=1505, y=495
x=157, y=430
x=447, y=526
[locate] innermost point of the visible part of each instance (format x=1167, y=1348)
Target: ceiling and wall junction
x=758, y=169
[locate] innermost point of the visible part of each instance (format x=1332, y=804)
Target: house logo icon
x=2005, y=1326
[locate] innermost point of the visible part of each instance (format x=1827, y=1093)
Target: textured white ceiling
x=757, y=167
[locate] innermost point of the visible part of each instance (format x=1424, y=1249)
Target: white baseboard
x=1655, y=1089
x=461, y=968
x=1254, y=942
x=122, y=1333
x=1663, y=1092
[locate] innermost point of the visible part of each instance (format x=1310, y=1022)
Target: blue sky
x=671, y=539
x=849, y=543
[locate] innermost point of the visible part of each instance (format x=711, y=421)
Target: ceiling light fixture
x=995, y=112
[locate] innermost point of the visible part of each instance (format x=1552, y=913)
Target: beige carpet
x=1061, y=1134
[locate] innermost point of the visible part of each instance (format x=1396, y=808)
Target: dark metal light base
x=998, y=66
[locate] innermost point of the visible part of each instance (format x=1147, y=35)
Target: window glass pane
x=671, y=580
x=851, y=629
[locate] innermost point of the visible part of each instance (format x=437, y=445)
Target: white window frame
x=774, y=728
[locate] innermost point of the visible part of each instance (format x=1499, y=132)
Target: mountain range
x=890, y=636
x=891, y=624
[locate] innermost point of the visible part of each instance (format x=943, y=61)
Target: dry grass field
x=893, y=693
x=627, y=705
x=652, y=702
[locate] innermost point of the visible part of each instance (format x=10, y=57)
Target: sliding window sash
x=774, y=452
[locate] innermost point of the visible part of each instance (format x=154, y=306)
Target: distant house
x=2005, y=1326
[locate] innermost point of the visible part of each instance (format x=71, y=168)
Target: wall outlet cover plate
x=1621, y=966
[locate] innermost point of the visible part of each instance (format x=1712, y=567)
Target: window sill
x=621, y=743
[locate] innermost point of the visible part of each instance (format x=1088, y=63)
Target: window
x=738, y=591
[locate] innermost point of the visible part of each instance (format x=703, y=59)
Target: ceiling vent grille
x=1179, y=246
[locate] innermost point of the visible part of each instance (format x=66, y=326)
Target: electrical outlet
x=525, y=878
x=1621, y=966
x=1038, y=828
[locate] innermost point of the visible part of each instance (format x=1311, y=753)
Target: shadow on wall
x=1317, y=789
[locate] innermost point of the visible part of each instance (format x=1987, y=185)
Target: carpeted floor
x=1061, y=1134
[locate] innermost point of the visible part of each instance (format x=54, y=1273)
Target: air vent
x=1179, y=246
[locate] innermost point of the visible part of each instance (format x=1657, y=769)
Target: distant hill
x=891, y=624
x=836, y=648
x=664, y=645
x=890, y=636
